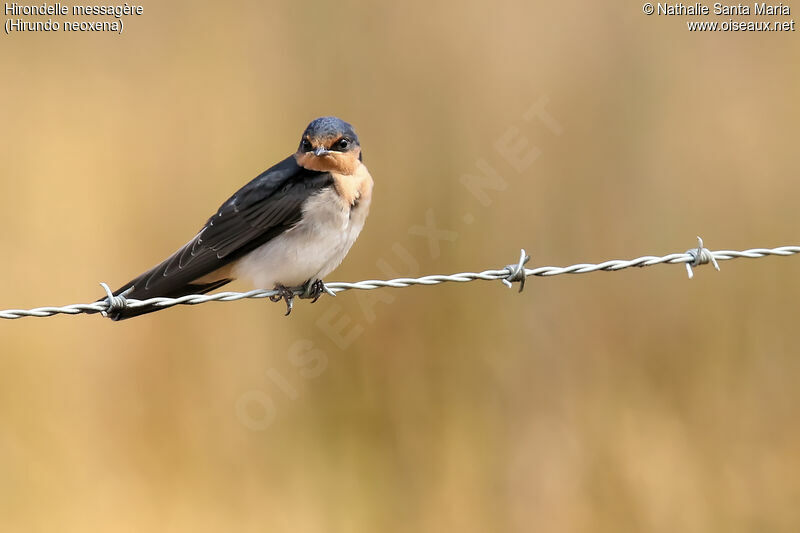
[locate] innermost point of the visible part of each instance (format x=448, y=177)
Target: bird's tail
x=129, y=291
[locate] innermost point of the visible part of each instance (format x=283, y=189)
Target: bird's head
x=329, y=144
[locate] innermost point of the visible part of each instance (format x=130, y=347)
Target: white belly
x=310, y=250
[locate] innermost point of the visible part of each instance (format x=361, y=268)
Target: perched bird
x=288, y=228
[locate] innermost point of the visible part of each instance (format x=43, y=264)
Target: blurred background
x=610, y=402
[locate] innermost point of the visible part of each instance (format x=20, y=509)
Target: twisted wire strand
x=511, y=273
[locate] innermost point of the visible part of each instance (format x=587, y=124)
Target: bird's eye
x=342, y=144
x=305, y=145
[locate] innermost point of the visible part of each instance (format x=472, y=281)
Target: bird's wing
x=258, y=212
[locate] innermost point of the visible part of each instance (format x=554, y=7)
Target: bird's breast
x=332, y=219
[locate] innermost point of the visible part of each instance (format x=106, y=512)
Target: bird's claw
x=314, y=289
x=286, y=294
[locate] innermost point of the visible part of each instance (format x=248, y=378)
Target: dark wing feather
x=258, y=212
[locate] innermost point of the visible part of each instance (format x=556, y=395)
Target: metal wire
x=510, y=274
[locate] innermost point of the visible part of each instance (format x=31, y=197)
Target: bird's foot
x=286, y=294
x=314, y=289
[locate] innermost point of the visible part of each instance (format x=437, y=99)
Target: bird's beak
x=321, y=151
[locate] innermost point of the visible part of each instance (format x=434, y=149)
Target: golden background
x=607, y=402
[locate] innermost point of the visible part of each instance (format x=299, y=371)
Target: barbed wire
x=508, y=275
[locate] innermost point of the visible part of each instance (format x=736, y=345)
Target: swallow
x=288, y=228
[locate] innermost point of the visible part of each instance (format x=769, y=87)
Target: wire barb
x=517, y=272
x=511, y=273
x=114, y=303
x=700, y=256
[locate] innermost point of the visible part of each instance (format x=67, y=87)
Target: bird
x=288, y=228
